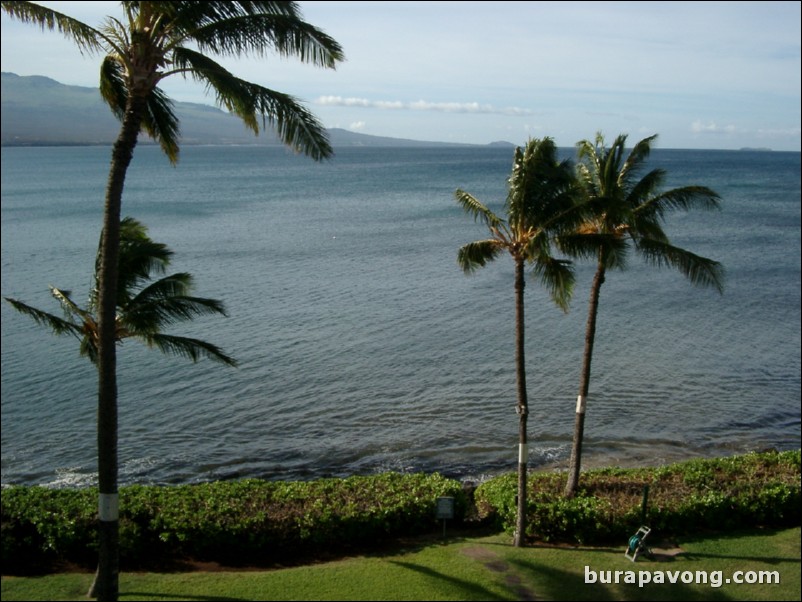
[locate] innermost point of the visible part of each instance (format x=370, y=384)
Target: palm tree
x=144, y=308
x=540, y=203
x=150, y=42
x=627, y=212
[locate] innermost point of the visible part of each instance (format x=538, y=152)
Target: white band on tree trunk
x=108, y=507
x=523, y=453
x=580, y=404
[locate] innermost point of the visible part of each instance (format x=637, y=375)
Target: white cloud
x=698, y=127
x=422, y=105
x=357, y=126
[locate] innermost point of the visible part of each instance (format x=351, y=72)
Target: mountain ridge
x=39, y=111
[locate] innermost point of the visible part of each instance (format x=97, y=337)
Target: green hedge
x=253, y=522
x=706, y=494
x=235, y=522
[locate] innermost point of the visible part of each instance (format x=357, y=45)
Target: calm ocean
x=364, y=348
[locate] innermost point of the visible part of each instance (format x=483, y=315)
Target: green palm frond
x=636, y=158
x=295, y=125
x=285, y=34
x=589, y=169
x=557, y=277
x=165, y=302
x=610, y=249
x=159, y=121
x=479, y=211
x=543, y=193
x=140, y=257
x=88, y=349
x=612, y=176
x=88, y=39
x=70, y=308
x=475, y=255
x=192, y=349
x=700, y=271
x=684, y=198
x=644, y=189
x=112, y=86
x=58, y=325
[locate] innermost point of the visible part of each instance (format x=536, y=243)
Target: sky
x=712, y=75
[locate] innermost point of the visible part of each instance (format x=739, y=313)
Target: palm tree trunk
x=106, y=583
x=522, y=408
x=584, y=383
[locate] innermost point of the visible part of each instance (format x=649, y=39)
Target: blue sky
x=699, y=74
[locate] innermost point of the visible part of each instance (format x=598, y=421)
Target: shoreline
x=589, y=463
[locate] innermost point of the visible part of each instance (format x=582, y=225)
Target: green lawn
x=480, y=568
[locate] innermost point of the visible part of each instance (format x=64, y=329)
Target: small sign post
x=445, y=510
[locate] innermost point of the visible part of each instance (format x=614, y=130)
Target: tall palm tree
x=144, y=306
x=148, y=43
x=540, y=204
x=627, y=209
x=143, y=310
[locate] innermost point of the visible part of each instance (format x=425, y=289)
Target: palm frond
x=295, y=125
x=193, y=349
x=556, y=276
x=70, y=308
x=58, y=325
x=174, y=285
x=700, y=271
x=166, y=302
x=645, y=189
x=235, y=28
x=478, y=210
x=612, y=178
x=88, y=39
x=611, y=249
x=159, y=121
x=544, y=193
x=287, y=35
x=637, y=156
x=112, y=86
x=589, y=167
x=683, y=198
x=140, y=258
x=88, y=349
x=144, y=318
x=475, y=255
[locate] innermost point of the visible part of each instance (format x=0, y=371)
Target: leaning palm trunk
x=520, y=369
x=584, y=383
x=106, y=583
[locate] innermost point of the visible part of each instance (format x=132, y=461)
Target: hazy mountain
x=38, y=111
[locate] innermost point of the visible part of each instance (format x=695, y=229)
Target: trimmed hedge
x=753, y=490
x=233, y=522
x=253, y=522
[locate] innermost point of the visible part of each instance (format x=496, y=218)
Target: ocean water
x=364, y=348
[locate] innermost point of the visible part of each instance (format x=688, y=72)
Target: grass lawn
x=481, y=568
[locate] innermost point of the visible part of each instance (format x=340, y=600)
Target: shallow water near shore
x=362, y=345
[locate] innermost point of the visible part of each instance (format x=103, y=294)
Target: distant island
x=761, y=149
x=39, y=111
